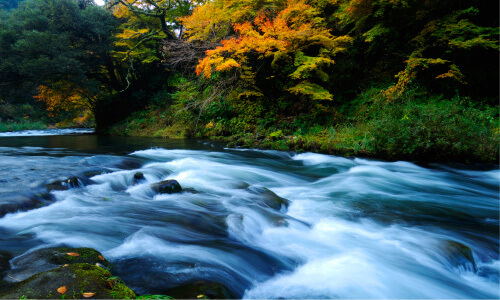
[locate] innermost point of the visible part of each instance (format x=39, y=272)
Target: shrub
x=437, y=130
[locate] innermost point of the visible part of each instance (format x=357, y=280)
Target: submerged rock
x=269, y=198
x=42, y=260
x=167, y=187
x=205, y=289
x=66, y=184
x=460, y=255
x=25, y=202
x=75, y=281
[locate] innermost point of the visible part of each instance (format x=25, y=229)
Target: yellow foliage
x=314, y=91
x=213, y=20
x=297, y=27
x=128, y=33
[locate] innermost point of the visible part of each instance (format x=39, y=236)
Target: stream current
x=353, y=228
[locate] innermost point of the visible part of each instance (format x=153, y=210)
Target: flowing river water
x=352, y=228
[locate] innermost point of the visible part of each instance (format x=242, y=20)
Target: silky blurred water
x=353, y=229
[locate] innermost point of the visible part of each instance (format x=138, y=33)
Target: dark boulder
x=75, y=281
x=167, y=187
x=66, y=184
x=29, y=264
x=128, y=164
x=205, y=289
x=138, y=177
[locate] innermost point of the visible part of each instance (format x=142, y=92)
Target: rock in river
x=29, y=264
x=69, y=183
x=167, y=187
x=68, y=273
x=76, y=281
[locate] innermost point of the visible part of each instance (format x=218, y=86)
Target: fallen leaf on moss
x=73, y=254
x=101, y=257
x=88, y=295
x=62, y=290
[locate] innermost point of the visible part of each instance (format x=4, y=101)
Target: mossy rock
x=72, y=281
x=42, y=260
x=200, y=289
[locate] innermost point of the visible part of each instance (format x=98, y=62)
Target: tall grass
x=23, y=125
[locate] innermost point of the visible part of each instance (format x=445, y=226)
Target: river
x=353, y=228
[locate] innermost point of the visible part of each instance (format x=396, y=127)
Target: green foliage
x=9, y=4
x=316, y=92
x=439, y=129
x=23, y=125
x=53, y=43
x=398, y=67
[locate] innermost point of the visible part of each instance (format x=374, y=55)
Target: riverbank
x=19, y=126
x=35, y=125
x=19, y=117
x=415, y=127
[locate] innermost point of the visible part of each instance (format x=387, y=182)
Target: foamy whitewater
x=353, y=229
x=47, y=132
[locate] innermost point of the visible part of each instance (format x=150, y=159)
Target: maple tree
x=296, y=35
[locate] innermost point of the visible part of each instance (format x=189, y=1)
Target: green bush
x=437, y=130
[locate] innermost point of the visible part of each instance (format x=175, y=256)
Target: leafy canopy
x=296, y=35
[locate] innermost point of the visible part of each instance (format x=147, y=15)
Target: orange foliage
x=289, y=33
x=62, y=97
x=213, y=20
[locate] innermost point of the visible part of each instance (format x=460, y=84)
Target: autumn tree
x=293, y=41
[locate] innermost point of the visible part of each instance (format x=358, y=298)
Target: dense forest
x=396, y=79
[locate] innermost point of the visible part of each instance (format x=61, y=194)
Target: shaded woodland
x=386, y=78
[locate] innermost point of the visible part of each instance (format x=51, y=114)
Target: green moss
x=59, y=256
x=77, y=278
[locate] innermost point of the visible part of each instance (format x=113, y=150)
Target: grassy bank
x=18, y=126
x=18, y=117
x=416, y=126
